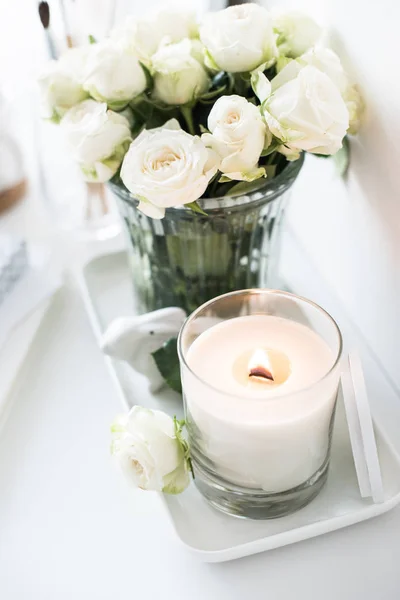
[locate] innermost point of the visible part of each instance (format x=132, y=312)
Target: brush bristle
x=44, y=14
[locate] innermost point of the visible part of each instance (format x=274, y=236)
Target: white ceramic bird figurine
x=133, y=339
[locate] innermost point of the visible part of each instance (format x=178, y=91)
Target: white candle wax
x=261, y=434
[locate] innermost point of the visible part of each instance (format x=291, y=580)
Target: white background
x=69, y=527
x=351, y=229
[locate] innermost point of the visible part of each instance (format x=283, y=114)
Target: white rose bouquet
x=174, y=111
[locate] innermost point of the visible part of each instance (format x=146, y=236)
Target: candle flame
x=260, y=367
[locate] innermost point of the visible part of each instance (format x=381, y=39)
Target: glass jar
x=187, y=258
x=86, y=210
x=260, y=449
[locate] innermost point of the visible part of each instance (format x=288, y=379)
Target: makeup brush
x=44, y=14
x=68, y=36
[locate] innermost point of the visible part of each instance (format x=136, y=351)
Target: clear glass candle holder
x=260, y=433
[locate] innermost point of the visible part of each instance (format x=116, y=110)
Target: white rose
x=178, y=77
x=144, y=35
x=113, y=75
x=151, y=451
x=238, y=135
x=296, y=31
x=61, y=83
x=138, y=36
x=305, y=110
x=329, y=63
x=197, y=50
x=167, y=167
x=239, y=38
x=175, y=24
x=99, y=138
x=74, y=60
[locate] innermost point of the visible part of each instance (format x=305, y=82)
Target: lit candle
x=257, y=395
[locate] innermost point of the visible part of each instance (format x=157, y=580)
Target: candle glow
x=260, y=368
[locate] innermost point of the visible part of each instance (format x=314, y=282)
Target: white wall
x=351, y=229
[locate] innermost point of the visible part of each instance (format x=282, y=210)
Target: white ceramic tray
x=106, y=288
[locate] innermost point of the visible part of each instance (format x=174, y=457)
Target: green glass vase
x=187, y=258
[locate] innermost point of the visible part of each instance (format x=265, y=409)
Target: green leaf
x=149, y=79
x=136, y=124
x=266, y=65
x=221, y=78
x=231, y=80
x=167, y=361
x=221, y=84
x=282, y=62
x=140, y=198
x=92, y=39
x=205, y=98
x=224, y=179
x=118, y=105
x=178, y=427
x=246, y=76
x=187, y=113
x=244, y=187
x=55, y=118
x=178, y=480
x=141, y=108
x=241, y=86
x=145, y=98
x=274, y=145
x=270, y=171
x=196, y=208
x=261, y=86
x=209, y=61
x=254, y=174
x=342, y=158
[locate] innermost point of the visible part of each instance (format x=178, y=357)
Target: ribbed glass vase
x=187, y=258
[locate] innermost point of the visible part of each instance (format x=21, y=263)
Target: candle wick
x=261, y=373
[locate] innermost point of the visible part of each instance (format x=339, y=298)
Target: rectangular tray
x=105, y=284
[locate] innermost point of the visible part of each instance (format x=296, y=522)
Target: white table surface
x=70, y=528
